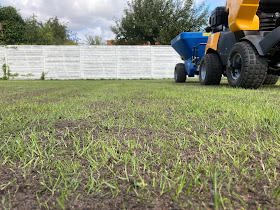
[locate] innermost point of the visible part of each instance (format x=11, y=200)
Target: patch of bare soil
x=23, y=189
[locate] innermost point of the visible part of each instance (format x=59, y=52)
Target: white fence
x=90, y=62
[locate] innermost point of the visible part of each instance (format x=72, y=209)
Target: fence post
x=81, y=73
x=6, y=59
x=151, y=61
x=117, y=63
x=44, y=57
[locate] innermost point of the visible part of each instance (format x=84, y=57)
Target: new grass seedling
x=138, y=144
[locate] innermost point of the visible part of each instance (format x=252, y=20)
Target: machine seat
x=269, y=5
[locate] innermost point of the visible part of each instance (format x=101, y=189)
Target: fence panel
x=98, y=62
x=62, y=62
x=134, y=62
x=164, y=59
x=90, y=62
x=27, y=61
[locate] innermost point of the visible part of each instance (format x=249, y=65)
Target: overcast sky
x=84, y=17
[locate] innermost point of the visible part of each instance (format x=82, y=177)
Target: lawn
x=138, y=144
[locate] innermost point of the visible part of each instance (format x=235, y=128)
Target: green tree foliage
x=15, y=30
x=33, y=28
x=151, y=21
x=50, y=33
x=61, y=35
x=94, y=40
x=12, y=26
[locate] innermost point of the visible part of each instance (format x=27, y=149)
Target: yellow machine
x=243, y=15
x=244, y=45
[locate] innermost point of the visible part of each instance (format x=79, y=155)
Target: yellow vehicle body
x=242, y=15
x=244, y=46
x=212, y=42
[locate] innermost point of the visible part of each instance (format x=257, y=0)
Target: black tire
x=246, y=68
x=271, y=79
x=180, y=74
x=210, y=70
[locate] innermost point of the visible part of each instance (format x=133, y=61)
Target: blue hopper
x=191, y=47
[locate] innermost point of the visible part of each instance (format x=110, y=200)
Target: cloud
x=84, y=17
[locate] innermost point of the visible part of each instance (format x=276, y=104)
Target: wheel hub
x=175, y=75
x=203, y=71
x=235, y=66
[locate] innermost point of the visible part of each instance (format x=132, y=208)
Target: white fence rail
x=90, y=62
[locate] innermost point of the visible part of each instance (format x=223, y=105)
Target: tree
x=14, y=30
x=60, y=33
x=50, y=33
x=12, y=26
x=151, y=21
x=94, y=40
x=32, y=29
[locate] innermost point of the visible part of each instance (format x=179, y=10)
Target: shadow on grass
x=270, y=87
x=223, y=84
x=197, y=83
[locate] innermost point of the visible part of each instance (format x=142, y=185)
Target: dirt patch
x=141, y=152
x=25, y=189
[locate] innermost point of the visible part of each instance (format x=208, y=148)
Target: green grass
x=138, y=144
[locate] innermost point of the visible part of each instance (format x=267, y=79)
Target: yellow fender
x=242, y=15
x=212, y=42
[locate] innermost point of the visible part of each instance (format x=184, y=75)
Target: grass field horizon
x=138, y=144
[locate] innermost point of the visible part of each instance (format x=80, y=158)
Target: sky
x=83, y=17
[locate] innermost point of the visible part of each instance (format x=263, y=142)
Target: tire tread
x=255, y=67
x=214, y=69
x=271, y=79
x=181, y=73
